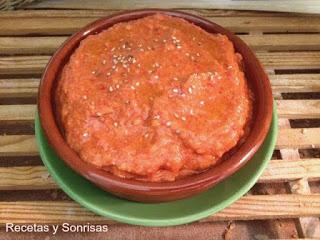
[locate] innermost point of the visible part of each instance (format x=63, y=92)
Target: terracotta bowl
x=145, y=191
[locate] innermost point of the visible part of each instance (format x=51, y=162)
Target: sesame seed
x=176, y=115
x=229, y=67
x=187, y=54
x=179, y=47
x=99, y=114
x=137, y=84
x=198, y=54
x=132, y=87
x=175, y=90
x=193, y=38
x=149, y=48
x=84, y=97
x=164, y=40
x=191, y=112
x=168, y=123
x=115, y=124
x=201, y=102
x=117, y=86
x=110, y=89
x=146, y=135
x=85, y=134
x=183, y=118
x=183, y=95
x=141, y=49
x=156, y=77
x=190, y=90
x=93, y=72
x=156, y=117
x=139, y=65
x=108, y=73
x=175, y=79
x=113, y=67
x=113, y=49
x=104, y=61
x=219, y=77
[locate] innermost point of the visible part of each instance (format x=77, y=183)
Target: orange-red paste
x=153, y=99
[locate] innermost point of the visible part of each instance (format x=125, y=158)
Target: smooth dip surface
x=153, y=99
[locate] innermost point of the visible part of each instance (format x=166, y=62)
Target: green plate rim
x=268, y=151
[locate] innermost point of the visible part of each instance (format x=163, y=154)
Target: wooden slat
x=42, y=25
x=30, y=45
x=17, y=112
x=21, y=145
x=47, y=45
x=246, y=208
x=290, y=60
x=293, y=109
x=308, y=6
x=37, y=177
x=74, y=13
x=18, y=145
x=25, y=178
x=23, y=65
x=283, y=42
x=25, y=87
x=28, y=87
x=298, y=138
x=67, y=22
x=295, y=82
x=288, y=170
x=274, y=60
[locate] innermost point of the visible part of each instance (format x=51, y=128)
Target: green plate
x=160, y=214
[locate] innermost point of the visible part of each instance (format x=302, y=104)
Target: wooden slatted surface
x=288, y=46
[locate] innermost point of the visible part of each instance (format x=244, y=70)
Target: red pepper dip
x=153, y=99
